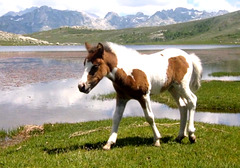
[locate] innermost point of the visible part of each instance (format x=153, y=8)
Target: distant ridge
x=45, y=18
x=216, y=30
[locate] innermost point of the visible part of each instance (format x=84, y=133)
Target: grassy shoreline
x=216, y=146
x=221, y=74
x=213, y=96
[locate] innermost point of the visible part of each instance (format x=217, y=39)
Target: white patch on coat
x=87, y=69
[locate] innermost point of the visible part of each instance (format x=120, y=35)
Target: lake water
x=58, y=99
x=136, y=47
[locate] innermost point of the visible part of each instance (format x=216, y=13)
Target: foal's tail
x=195, y=82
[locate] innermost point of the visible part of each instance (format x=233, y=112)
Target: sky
x=122, y=7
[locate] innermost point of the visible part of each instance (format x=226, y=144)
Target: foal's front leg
x=146, y=105
x=120, y=106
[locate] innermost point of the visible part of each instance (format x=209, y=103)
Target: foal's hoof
x=157, y=143
x=179, y=139
x=107, y=146
x=192, y=138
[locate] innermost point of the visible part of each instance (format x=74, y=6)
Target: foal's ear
x=88, y=46
x=100, y=48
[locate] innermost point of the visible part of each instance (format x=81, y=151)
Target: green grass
x=216, y=146
x=219, y=96
x=214, y=96
x=3, y=134
x=9, y=134
x=15, y=43
x=220, y=74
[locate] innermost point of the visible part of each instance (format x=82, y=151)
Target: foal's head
x=95, y=67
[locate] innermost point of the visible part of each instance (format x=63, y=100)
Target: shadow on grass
x=121, y=142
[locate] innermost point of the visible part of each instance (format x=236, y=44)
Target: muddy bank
x=43, y=54
x=20, y=68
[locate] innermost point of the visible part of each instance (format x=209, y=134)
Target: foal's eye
x=93, y=69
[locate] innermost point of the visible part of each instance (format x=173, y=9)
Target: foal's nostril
x=81, y=86
x=84, y=87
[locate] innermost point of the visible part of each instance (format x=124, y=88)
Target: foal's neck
x=112, y=74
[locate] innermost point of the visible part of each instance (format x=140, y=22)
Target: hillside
x=45, y=18
x=15, y=39
x=223, y=29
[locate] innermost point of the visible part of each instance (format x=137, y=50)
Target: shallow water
x=225, y=66
x=37, y=90
x=60, y=101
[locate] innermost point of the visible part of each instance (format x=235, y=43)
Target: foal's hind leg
x=146, y=105
x=183, y=114
x=191, y=101
x=192, y=109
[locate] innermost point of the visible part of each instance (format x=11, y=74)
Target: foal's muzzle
x=85, y=88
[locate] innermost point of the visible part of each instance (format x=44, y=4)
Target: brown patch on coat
x=110, y=59
x=133, y=86
x=177, y=68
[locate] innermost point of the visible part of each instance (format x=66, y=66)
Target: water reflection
x=60, y=101
x=56, y=101
x=225, y=66
x=59, y=93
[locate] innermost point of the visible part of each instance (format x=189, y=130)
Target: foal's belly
x=157, y=86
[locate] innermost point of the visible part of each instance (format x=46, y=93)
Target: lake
x=39, y=85
x=136, y=47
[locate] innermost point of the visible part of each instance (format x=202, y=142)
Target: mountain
x=164, y=17
x=222, y=29
x=120, y=22
x=179, y=15
x=41, y=19
x=45, y=18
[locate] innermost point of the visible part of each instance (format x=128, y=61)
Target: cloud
x=151, y=6
x=120, y=6
x=213, y=5
x=140, y=3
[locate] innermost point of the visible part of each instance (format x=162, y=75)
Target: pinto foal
x=136, y=76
